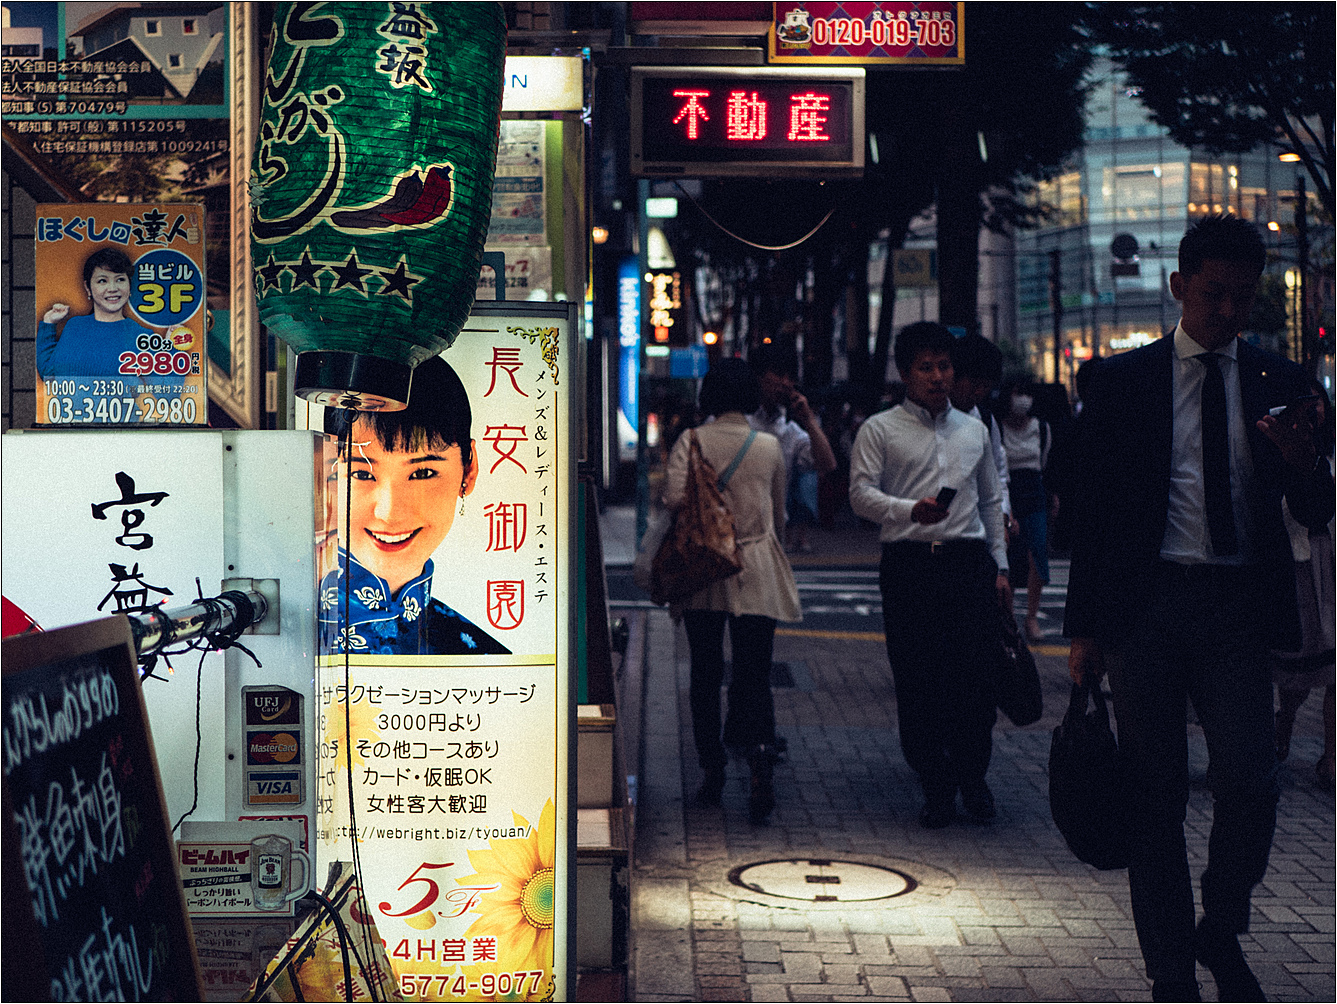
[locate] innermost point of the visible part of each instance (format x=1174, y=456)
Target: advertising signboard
x=868, y=34
x=121, y=314
x=629, y=357
x=443, y=690
x=102, y=522
x=752, y=121
x=151, y=103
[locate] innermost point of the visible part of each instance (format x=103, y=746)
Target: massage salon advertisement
x=445, y=644
x=121, y=314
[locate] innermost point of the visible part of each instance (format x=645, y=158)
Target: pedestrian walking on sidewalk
x=750, y=602
x=1026, y=444
x=944, y=564
x=1181, y=580
x=786, y=415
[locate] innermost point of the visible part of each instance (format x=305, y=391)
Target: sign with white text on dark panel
x=446, y=651
x=747, y=121
x=868, y=34
x=93, y=910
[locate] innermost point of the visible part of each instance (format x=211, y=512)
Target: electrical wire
x=754, y=244
x=346, y=447
x=199, y=741
x=214, y=641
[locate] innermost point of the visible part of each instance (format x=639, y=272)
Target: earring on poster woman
x=461, y=512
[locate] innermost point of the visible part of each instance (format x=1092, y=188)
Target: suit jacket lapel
x=1252, y=388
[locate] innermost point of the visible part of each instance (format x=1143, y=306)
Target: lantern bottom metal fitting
x=352, y=380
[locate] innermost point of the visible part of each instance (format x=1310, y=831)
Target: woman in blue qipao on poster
x=409, y=470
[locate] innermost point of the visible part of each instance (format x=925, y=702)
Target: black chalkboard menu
x=86, y=835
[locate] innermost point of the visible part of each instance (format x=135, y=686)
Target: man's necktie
x=1216, y=458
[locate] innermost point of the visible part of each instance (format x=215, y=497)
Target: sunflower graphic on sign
x=519, y=913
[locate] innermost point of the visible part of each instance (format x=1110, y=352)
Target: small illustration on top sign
x=796, y=30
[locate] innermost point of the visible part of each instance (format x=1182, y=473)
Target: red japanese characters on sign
x=505, y=603
x=756, y=121
x=868, y=33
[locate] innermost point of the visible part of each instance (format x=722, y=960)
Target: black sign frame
x=94, y=664
x=648, y=156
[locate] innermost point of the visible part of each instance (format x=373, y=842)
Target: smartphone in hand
x=945, y=496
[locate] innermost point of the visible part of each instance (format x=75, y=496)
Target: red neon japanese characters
x=692, y=111
x=805, y=124
x=746, y=113
x=745, y=116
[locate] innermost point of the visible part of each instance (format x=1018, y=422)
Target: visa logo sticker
x=273, y=787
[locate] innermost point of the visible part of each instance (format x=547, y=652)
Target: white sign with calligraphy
x=98, y=523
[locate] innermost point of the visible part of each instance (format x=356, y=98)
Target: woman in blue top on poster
x=408, y=471
x=91, y=345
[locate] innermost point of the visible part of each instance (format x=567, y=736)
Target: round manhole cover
x=823, y=880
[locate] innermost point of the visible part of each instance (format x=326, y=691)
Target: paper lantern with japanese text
x=371, y=187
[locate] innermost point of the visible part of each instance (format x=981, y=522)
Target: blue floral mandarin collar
x=379, y=623
x=376, y=618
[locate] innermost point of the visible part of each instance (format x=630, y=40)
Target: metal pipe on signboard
x=228, y=614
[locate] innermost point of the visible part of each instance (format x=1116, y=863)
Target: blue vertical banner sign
x=629, y=356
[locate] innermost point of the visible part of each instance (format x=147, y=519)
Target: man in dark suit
x=1181, y=580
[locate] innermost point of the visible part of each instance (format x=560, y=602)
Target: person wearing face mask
x=92, y=344
x=401, y=476
x=1026, y=443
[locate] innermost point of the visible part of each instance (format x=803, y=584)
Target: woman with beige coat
x=750, y=602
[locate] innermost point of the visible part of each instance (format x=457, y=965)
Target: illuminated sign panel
x=830, y=31
x=754, y=121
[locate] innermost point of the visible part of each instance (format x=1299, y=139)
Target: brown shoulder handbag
x=702, y=547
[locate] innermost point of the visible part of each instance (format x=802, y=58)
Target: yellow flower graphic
x=362, y=717
x=519, y=914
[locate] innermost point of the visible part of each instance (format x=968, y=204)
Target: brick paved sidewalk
x=1003, y=912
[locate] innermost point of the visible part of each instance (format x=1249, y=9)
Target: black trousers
x=1199, y=637
x=751, y=709
x=942, y=640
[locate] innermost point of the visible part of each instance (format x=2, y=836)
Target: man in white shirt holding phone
x=944, y=565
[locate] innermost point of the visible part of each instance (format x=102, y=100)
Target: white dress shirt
x=795, y=443
x=999, y=457
x=1187, y=539
x=906, y=454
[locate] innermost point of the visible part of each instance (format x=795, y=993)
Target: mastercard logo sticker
x=272, y=747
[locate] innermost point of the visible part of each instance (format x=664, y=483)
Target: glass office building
x=1131, y=180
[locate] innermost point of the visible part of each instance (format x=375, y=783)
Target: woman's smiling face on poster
x=109, y=292
x=403, y=502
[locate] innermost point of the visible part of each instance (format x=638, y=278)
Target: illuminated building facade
x=1132, y=179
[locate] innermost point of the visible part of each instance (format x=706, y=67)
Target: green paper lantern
x=371, y=187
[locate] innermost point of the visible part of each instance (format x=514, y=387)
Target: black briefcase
x=1018, y=679
x=1087, y=794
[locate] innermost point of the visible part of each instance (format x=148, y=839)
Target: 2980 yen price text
x=412, y=984
x=64, y=410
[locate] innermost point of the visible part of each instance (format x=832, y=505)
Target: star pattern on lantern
x=399, y=281
x=306, y=272
x=269, y=274
x=350, y=274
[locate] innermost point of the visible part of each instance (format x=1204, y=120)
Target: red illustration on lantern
x=505, y=603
